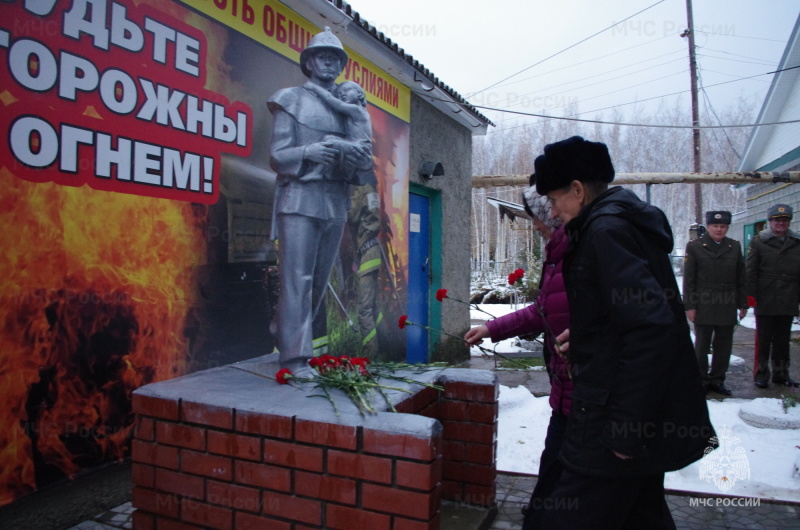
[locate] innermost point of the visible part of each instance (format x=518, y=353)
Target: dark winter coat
x=637, y=387
x=714, y=280
x=773, y=273
x=552, y=300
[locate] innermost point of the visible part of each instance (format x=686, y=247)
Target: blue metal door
x=419, y=265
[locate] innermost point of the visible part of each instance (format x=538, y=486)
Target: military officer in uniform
x=714, y=282
x=312, y=197
x=773, y=282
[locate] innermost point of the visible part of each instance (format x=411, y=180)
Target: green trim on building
x=794, y=154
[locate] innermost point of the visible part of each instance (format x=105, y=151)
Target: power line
x=569, y=118
x=633, y=86
x=601, y=122
x=732, y=75
x=565, y=49
x=707, y=100
x=734, y=54
x=738, y=36
x=589, y=61
x=607, y=80
x=762, y=63
x=724, y=131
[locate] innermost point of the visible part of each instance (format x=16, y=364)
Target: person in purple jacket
x=549, y=315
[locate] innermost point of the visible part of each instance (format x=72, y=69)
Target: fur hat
x=572, y=159
x=718, y=218
x=779, y=210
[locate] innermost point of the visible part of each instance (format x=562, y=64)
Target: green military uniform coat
x=773, y=273
x=714, y=280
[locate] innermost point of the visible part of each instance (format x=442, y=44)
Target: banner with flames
x=136, y=198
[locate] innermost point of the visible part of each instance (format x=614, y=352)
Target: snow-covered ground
x=757, y=462
x=769, y=455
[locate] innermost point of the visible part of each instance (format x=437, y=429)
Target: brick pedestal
x=231, y=448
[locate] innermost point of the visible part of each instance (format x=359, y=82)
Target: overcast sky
x=472, y=45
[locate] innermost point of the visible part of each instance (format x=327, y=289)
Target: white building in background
x=774, y=147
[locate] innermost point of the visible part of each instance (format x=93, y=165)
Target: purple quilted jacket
x=552, y=301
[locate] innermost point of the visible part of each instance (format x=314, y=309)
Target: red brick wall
x=198, y=465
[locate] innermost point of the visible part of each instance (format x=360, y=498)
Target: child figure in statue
x=349, y=100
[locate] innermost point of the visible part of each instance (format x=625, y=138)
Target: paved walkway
x=119, y=517
x=513, y=491
x=689, y=512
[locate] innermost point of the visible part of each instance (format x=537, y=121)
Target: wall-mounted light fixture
x=428, y=170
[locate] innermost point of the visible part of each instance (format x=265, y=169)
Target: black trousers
x=550, y=469
x=773, y=333
x=721, y=338
x=579, y=501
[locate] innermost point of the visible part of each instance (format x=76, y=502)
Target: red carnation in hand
x=402, y=321
x=283, y=376
x=441, y=294
x=516, y=276
x=751, y=301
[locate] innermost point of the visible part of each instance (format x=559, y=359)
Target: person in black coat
x=639, y=406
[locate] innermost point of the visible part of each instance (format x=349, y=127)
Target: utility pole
x=698, y=190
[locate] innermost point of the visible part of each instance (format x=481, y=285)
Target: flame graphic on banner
x=96, y=295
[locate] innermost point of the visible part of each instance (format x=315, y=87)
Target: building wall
x=783, y=138
x=163, y=264
x=759, y=198
x=437, y=138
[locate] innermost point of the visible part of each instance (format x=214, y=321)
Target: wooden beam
x=772, y=177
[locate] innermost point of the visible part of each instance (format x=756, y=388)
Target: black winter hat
x=718, y=218
x=572, y=159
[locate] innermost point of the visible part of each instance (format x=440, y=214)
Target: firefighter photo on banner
x=138, y=197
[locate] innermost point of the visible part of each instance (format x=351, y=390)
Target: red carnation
x=283, y=376
x=516, y=276
x=441, y=294
x=751, y=301
x=330, y=360
x=360, y=363
x=402, y=321
x=316, y=363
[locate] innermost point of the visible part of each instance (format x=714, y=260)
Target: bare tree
x=512, y=150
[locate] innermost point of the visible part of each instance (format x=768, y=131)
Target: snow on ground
x=770, y=454
x=766, y=457
x=504, y=346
